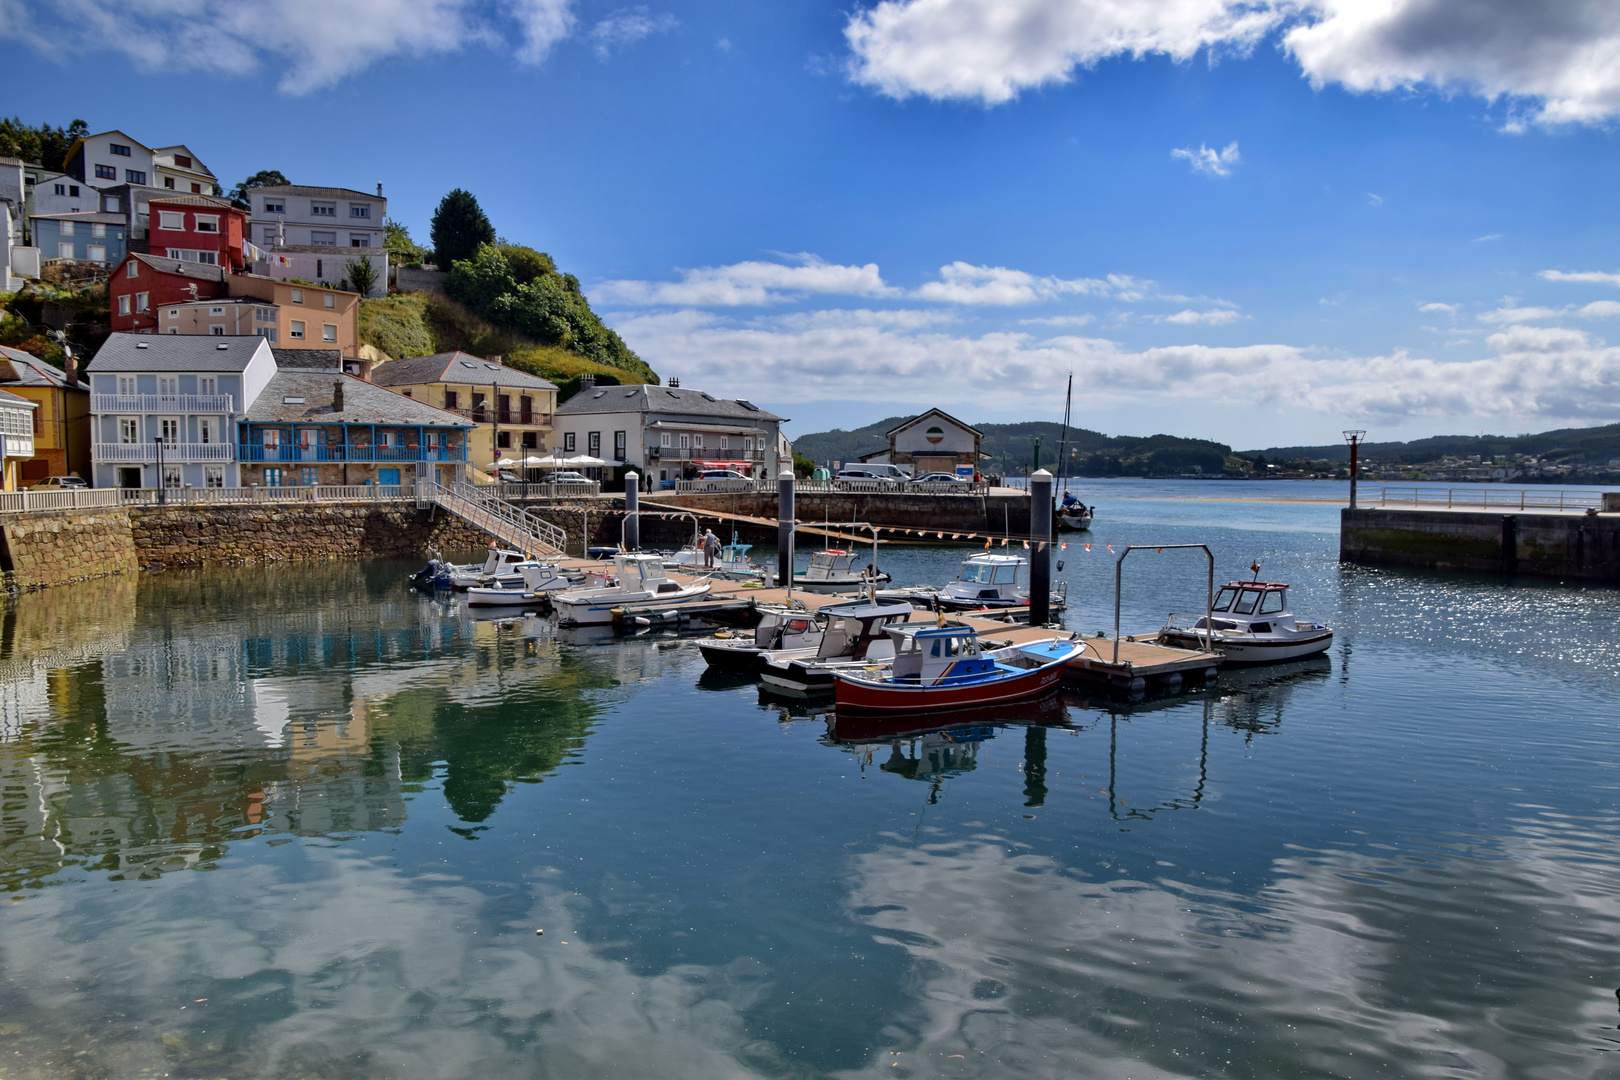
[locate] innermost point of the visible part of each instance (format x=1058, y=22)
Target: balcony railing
x=293, y=452
x=177, y=452
x=162, y=403
x=702, y=453
x=91, y=499
x=488, y=414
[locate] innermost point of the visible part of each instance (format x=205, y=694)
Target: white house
x=171, y=403
x=298, y=216
x=176, y=168
x=935, y=441
x=16, y=436
x=667, y=433
x=111, y=158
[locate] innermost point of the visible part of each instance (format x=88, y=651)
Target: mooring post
x=632, y=512
x=1040, y=548
x=784, y=529
x=1354, y=439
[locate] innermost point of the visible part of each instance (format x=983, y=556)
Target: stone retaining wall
x=63, y=546
x=1572, y=546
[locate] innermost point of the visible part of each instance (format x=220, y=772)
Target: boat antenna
x=1063, y=453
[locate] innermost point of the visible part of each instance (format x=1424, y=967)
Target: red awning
x=721, y=464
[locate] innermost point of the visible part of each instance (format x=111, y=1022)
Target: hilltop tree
x=262, y=178
x=459, y=228
x=44, y=145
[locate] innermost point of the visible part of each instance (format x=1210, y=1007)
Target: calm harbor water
x=301, y=821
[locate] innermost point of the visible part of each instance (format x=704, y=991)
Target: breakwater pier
x=1537, y=534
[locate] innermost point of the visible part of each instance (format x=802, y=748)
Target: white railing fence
x=1488, y=499
x=101, y=498
x=872, y=487
x=510, y=490
x=162, y=403
x=173, y=453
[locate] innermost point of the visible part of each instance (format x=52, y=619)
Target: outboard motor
x=428, y=573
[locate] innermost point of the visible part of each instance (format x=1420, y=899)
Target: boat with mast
x=1071, y=512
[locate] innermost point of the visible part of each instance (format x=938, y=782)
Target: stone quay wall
x=1584, y=547
x=63, y=546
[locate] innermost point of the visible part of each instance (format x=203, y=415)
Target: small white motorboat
x=833, y=571
x=500, y=568
x=856, y=633
x=1250, y=624
x=782, y=632
x=733, y=562
x=1074, y=515
x=535, y=581
x=641, y=581
x=987, y=581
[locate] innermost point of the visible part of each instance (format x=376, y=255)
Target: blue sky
x=1258, y=222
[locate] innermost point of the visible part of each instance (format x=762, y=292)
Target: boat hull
x=1251, y=650
x=829, y=586
x=1074, y=522
x=504, y=598
x=862, y=695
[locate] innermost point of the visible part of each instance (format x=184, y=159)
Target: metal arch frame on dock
x=1209, y=603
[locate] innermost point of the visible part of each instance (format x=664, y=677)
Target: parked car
x=565, y=478
x=861, y=478
x=717, y=480
x=942, y=478
x=60, y=483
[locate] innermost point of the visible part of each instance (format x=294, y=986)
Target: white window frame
x=295, y=329
x=126, y=386
x=168, y=386
x=129, y=430
x=207, y=385
x=315, y=239
x=64, y=228
x=664, y=439
x=65, y=251
x=132, y=268
x=214, y=476
x=216, y=330
x=329, y=301
x=277, y=207
x=298, y=296
x=170, y=426
x=171, y=221
x=329, y=332
x=323, y=209
x=142, y=301
x=98, y=230
x=360, y=210
x=207, y=429
x=173, y=477
x=208, y=223
x=124, y=304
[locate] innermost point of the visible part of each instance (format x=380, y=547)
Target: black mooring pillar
x=1040, y=548
x=784, y=529
x=632, y=503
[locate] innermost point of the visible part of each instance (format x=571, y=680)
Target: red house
x=143, y=283
x=199, y=229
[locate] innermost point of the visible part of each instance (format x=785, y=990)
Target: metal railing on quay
x=1487, y=499
x=540, y=490
x=102, y=498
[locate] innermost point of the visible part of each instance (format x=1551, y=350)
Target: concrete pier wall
x=996, y=514
x=1573, y=546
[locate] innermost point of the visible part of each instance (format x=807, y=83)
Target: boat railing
x=1209, y=600
x=1483, y=498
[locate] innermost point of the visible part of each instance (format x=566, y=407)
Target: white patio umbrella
x=584, y=461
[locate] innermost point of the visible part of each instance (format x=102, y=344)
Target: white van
x=870, y=477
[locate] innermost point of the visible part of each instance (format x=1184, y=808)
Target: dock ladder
x=512, y=525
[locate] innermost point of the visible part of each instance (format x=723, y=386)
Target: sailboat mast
x=1063, y=454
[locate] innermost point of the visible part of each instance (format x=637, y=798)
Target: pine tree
x=459, y=227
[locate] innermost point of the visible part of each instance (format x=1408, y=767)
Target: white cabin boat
x=732, y=562
x=535, y=580
x=1074, y=515
x=987, y=581
x=856, y=633
x=641, y=581
x=833, y=571
x=500, y=568
x=1251, y=624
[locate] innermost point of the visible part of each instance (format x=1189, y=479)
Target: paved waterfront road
x=298, y=821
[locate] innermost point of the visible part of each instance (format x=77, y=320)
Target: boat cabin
x=987, y=577
x=640, y=572
x=938, y=655
x=831, y=564
x=1252, y=599
x=859, y=629
x=788, y=630
x=502, y=561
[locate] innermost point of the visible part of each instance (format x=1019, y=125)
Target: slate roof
x=12, y=401
x=30, y=370
x=329, y=360
x=175, y=352
x=325, y=249
x=95, y=217
x=363, y=403
x=455, y=367
x=201, y=271
x=195, y=200
x=317, y=192
x=660, y=399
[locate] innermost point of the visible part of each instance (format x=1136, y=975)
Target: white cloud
x=750, y=283
x=1374, y=200
x=1519, y=314
x=1210, y=162
x=627, y=26
x=1532, y=374
x=1191, y=317
x=1487, y=236
x=1449, y=309
x=991, y=50
x=1591, y=277
x=1552, y=62
x=1060, y=320
x=313, y=44
x=1600, y=309
x=964, y=283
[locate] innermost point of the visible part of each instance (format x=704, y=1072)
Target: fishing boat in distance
x=1249, y=623
x=832, y=570
x=641, y=581
x=942, y=667
x=986, y=581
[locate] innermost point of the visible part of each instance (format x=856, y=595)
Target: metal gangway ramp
x=513, y=526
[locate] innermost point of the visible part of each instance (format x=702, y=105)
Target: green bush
x=398, y=325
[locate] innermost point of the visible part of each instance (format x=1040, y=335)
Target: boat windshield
x=1223, y=599
x=1006, y=575
x=1272, y=602
x=1246, y=601
x=979, y=572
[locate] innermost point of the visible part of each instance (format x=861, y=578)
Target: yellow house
x=61, y=419
x=511, y=409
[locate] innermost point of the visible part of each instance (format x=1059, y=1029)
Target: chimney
x=675, y=383
x=587, y=382
x=379, y=191
x=337, y=396
x=495, y=359
x=366, y=364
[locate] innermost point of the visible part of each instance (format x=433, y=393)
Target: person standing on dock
x=711, y=548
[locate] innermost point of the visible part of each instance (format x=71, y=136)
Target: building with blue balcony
x=163, y=409
x=324, y=427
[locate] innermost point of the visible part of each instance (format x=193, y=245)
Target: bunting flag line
x=1088, y=547
x=1110, y=547
x=987, y=543
x=1063, y=546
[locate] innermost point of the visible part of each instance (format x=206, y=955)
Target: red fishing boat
x=942, y=667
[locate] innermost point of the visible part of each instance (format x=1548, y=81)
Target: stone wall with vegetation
x=58, y=548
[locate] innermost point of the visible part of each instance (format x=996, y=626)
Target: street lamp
x=163, y=496
x=1355, y=439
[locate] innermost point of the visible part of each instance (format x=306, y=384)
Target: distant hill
x=1595, y=446
x=1091, y=453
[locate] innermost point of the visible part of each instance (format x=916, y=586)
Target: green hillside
x=1566, y=446
x=1012, y=447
